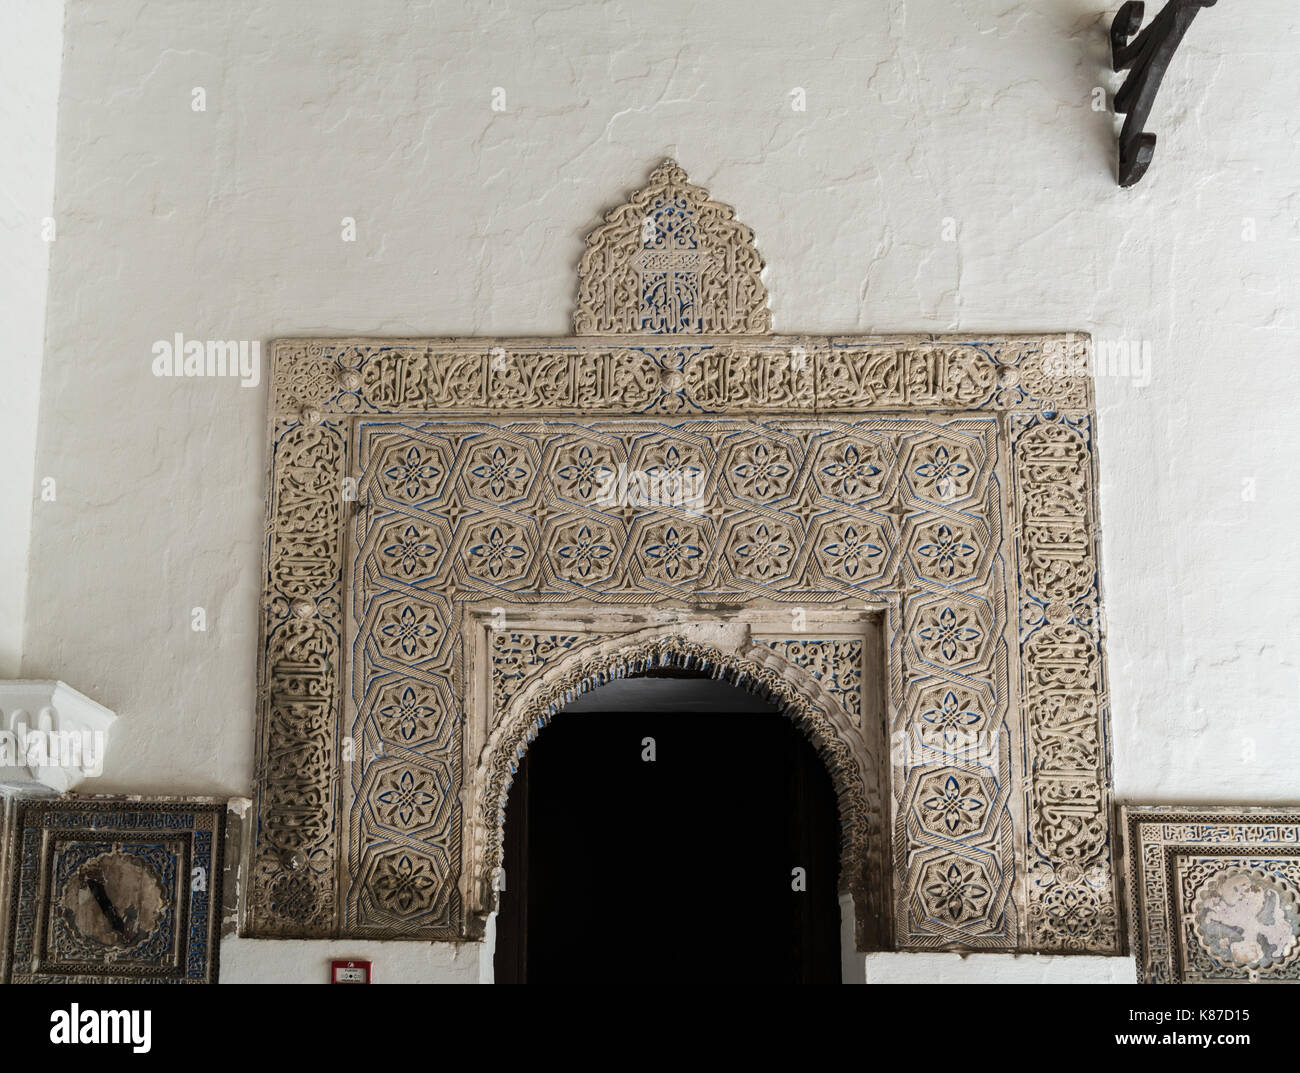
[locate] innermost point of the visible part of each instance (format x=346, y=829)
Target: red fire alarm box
x=349, y=972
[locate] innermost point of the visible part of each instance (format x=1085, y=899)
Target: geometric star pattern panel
x=113, y=890
x=1213, y=893
x=946, y=483
x=803, y=513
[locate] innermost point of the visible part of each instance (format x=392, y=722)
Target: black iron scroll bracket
x=1148, y=54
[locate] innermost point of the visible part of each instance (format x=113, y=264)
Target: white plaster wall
x=31, y=54
x=226, y=224
x=994, y=969
x=299, y=961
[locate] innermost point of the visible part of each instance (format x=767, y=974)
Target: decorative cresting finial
x=671, y=262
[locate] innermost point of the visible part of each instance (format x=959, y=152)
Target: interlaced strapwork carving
x=627, y=513
x=801, y=511
x=671, y=261
x=835, y=662
x=299, y=694
x=1062, y=685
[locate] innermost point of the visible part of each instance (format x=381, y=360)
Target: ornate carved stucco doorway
x=546, y=661
x=673, y=459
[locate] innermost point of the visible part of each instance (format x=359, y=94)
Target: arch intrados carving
x=850, y=762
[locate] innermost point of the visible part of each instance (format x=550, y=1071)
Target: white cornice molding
x=51, y=735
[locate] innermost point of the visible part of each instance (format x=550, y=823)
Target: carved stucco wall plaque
x=1213, y=893
x=115, y=890
x=893, y=537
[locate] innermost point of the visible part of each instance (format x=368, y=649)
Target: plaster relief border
x=544, y=660
x=1213, y=893
x=1013, y=644
x=156, y=863
x=904, y=513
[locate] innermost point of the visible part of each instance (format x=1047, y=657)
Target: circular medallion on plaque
x=114, y=900
x=1247, y=920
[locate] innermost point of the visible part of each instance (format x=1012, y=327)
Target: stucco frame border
x=1159, y=841
x=1037, y=385
x=740, y=647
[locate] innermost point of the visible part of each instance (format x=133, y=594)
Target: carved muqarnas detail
x=671, y=261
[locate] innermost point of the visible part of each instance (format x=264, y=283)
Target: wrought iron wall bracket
x=1148, y=54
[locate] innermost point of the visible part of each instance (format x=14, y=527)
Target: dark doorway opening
x=621, y=868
